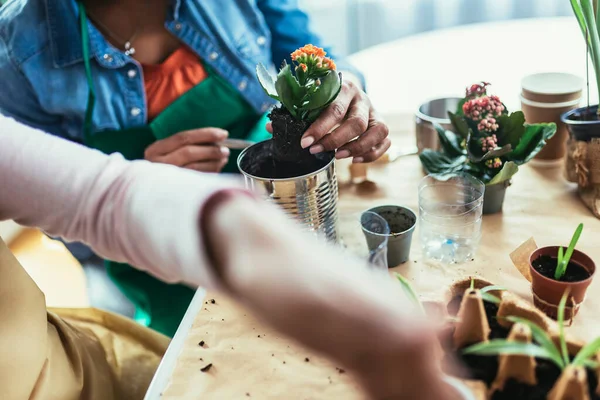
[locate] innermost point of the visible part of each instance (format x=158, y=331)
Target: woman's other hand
x=196, y=149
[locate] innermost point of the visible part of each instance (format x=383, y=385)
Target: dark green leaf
x=435, y=162
x=499, y=152
x=513, y=128
x=459, y=124
x=532, y=141
x=289, y=90
x=449, y=142
x=587, y=352
x=542, y=338
x=459, y=107
x=500, y=346
x=509, y=169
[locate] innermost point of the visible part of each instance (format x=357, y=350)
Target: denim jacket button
x=213, y=56
x=177, y=27
x=135, y=111
x=243, y=85
x=107, y=57
x=261, y=40
x=132, y=73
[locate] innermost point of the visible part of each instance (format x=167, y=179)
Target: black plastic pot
x=493, y=197
x=580, y=128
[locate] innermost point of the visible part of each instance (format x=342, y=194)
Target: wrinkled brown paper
x=520, y=257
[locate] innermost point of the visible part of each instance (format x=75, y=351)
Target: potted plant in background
x=583, y=148
x=488, y=142
x=305, y=185
x=556, y=271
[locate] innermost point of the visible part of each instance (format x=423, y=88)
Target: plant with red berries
x=488, y=142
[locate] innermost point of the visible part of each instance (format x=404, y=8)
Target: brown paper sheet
x=540, y=203
x=520, y=257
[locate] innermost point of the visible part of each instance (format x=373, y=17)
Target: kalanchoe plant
x=305, y=88
x=564, y=257
x=544, y=346
x=488, y=142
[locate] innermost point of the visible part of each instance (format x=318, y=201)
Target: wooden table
x=540, y=203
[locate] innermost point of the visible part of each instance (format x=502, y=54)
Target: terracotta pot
x=547, y=292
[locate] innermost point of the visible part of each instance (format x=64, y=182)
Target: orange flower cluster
x=308, y=50
x=313, y=55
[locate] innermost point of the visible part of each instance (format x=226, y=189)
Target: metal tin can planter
x=310, y=197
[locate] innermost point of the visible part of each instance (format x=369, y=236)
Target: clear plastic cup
x=450, y=217
x=352, y=228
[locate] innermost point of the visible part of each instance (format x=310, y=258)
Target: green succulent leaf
x=542, y=338
x=289, y=90
x=459, y=123
x=532, y=141
x=509, y=169
x=513, y=128
x=330, y=87
x=435, y=162
x=587, y=352
x=267, y=81
x=449, y=142
x=498, y=347
x=409, y=290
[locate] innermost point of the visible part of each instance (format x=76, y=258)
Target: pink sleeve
x=137, y=212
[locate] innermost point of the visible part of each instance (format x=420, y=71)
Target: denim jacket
x=42, y=76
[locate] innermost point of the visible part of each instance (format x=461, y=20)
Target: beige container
x=544, y=98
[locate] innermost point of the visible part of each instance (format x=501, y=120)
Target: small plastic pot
x=402, y=222
x=493, y=197
x=548, y=292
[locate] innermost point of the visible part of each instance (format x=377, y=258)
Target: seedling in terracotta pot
x=555, y=271
x=545, y=349
x=488, y=142
x=304, y=89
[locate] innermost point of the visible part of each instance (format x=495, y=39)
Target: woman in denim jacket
x=165, y=81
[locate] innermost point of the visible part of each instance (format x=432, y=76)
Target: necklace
x=125, y=43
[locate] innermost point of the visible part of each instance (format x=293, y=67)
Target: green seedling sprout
x=410, y=292
x=485, y=295
x=564, y=257
x=543, y=347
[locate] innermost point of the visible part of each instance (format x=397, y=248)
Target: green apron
x=212, y=103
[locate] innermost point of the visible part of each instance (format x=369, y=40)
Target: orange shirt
x=166, y=82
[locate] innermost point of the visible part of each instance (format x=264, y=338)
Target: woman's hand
x=196, y=149
x=355, y=118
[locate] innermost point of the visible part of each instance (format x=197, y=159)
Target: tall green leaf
x=542, y=338
x=449, y=142
x=498, y=347
x=513, y=128
x=590, y=22
x=560, y=270
x=580, y=19
x=569, y=253
x=267, y=81
x=410, y=292
x=587, y=352
x=509, y=169
x=532, y=141
x=561, y=328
